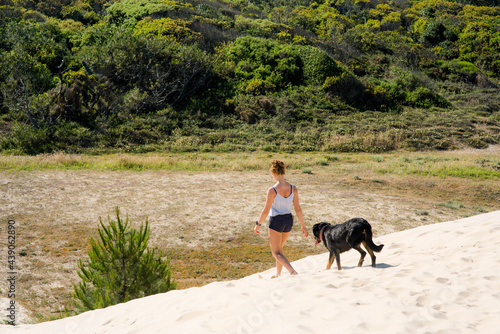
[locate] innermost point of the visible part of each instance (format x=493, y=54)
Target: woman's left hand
x=304, y=232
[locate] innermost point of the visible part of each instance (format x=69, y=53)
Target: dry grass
x=475, y=164
x=202, y=207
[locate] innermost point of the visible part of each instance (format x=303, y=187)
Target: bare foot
x=294, y=273
x=275, y=276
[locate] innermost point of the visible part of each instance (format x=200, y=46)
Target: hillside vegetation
x=90, y=76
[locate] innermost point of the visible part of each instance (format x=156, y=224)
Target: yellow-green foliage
x=331, y=22
x=380, y=11
x=479, y=12
x=70, y=27
x=479, y=41
x=259, y=27
x=72, y=76
x=168, y=28
x=392, y=17
x=222, y=24
x=258, y=86
x=439, y=6
x=7, y=12
x=137, y=9
x=455, y=30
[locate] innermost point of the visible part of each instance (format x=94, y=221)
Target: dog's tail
x=369, y=240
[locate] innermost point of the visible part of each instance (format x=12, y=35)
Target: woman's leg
x=276, y=241
x=279, y=266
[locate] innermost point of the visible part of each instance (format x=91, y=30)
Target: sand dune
x=441, y=278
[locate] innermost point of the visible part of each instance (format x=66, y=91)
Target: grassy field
x=478, y=164
x=202, y=206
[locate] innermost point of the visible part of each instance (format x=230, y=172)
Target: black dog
x=342, y=237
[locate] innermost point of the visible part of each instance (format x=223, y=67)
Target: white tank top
x=282, y=205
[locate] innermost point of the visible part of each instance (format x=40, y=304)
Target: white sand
x=441, y=278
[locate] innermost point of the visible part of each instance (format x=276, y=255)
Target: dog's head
x=317, y=228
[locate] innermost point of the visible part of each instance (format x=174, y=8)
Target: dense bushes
x=134, y=10
x=140, y=75
x=263, y=64
x=166, y=71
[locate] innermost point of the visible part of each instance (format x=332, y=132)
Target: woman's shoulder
x=272, y=190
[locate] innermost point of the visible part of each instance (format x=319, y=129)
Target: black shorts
x=281, y=223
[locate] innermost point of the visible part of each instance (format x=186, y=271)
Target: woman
x=279, y=202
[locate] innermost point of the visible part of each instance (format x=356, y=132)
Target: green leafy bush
x=406, y=88
x=168, y=71
x=269, y=64
x=259, y=27
x=168, y=28
x=317, y=65
x=454, y=70
x=346, y=86
x=264, y=59
x=26, y=139
x=479, y=43
x=422, y=97
x=137, y=9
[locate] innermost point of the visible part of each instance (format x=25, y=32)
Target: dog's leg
x=330, y=261
x=372, y=255
x=363, y=254
x=337, y=257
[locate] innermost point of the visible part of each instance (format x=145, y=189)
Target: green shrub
x=137, y=9
x=406, y=88
x=26, y=139
x=267, y=64
x=477, y=142
x=260, y=27
x=478, y=43
x=434, y=33
x=80, y=11
x=264, y=59
x=167, y=28
x=36, y=42
x=169, y=72
x=307, y=170
x=121, y=267
x=254, y=108
x=73, y=137
x=452, y=70
x=422, y=97
x=317, y=65
x=348, y=87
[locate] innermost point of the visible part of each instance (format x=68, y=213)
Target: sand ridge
x=440, y=278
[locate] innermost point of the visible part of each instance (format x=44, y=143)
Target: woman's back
x=282, y=203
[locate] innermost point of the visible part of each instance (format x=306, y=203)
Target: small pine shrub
x=121, y=267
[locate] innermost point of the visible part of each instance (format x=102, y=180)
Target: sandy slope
x=441, y=278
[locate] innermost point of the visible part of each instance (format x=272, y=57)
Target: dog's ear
x=316, y=228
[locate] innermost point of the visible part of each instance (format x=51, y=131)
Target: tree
x=167, y=72
x=30, y=52
x=121, y=267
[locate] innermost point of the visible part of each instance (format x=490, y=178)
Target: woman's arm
x=298, y=211
x=271, y=194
